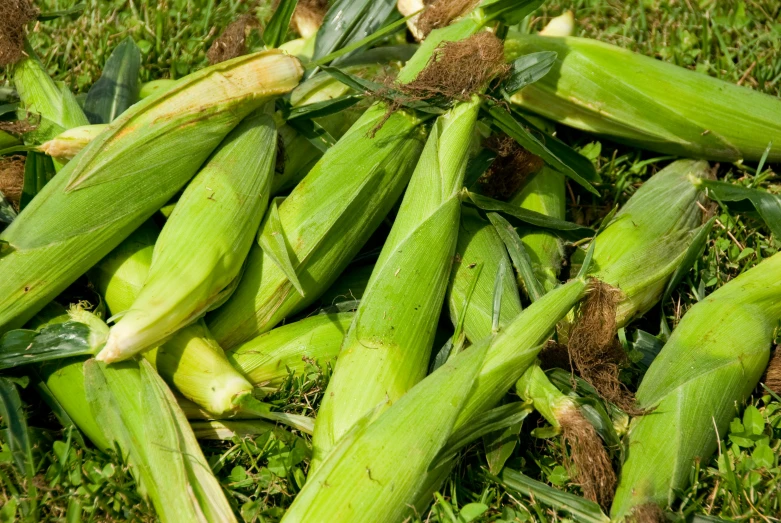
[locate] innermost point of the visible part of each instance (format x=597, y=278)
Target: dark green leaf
x=38, y=170
x=509, y=124
x=528, y=69
x=477, y=166
x=495, y=419
x=275, y=32
x=499, y=446
x=16, y=435
x=51, y=15
x=348, y=22
x=509, y=12
x=561, y=228
x=7, y=213
x=347, y=51
x=766, y=204
x=313, y=132
x=9, y=108
x=56, y=341
x=581, y=509
x=518, y=255
x=649, y=346
x=367, y=86
x=324, y=108
x=117, y=88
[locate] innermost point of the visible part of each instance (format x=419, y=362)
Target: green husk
x=649, y=236
x=479, y=253
x=387, y=348
x=40, y=95
x=324, y=222
x=707, y=369
x=223, y=204
x=400, y=448
x=267, y=360
x=190, y=361
x=543, y=193
x=140, y=415
x=641, y=101
x=125, y=175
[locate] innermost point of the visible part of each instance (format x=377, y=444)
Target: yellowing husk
x=126, y=174
x=649, y=236
x=706, y=370
x=324, y=222
x=604, y=89
x=480, y=249
x=268, y=359
x=218, y=215
x=65, y=146
x=191, y=361
x=387, y=348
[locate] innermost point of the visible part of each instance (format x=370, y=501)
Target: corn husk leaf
x=268, y=359
x=140, y=415
x=387, y=348
x=224, y=202
x=325, y=221
x=365, y=462
x=480, y=249
x=710, y=365
x=602, y=88
x=54, y=241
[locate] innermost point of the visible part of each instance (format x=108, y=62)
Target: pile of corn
x=238, y=225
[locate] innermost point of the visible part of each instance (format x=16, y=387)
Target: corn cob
x=654, y=105
x=656, y=225
x=387, y=348
x=190, y=361
x=126, y=175
x=268, y=359
x=225, y=203
x=324, y=222
x=479, y=253
x=709, y=366
x=400, y=447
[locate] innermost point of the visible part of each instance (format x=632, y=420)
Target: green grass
x=739, y=41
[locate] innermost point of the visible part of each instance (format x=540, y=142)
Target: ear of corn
x=191, y=361
x=535, y=386
x=268, y=359
x=126, y=174
x=387, y=349
x=709, y=366
x=479, y=253
x=601, y=88
x=137, y=411
x=224, y=203
x=648, y=238
x=399, y=448
x=325, y=221
x=378, y=466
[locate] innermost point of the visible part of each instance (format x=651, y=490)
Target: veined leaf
x=768, y=205
x=117, y=88
x=528, y=69
x=276, y=30
x=349, y=21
